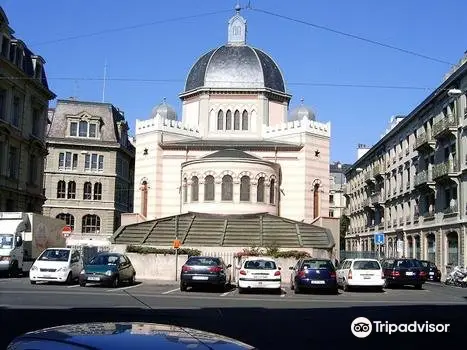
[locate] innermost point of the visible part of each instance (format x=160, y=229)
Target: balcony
x=424, y=142
x=451, y=211
x=424, y=178
x=408, y=220
x=445, y=127
x=377, y=199
x=444, y=170
x=379, y=170
x=367, y=203
x=369, y=176
x=400, y=154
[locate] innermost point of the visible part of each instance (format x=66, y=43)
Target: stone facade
x=412, y=185
x=24, y=100
x=90, y=167
x=337, y=200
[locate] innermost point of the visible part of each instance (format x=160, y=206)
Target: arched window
x=71, y=193
x=227, y=188
x=209, y=188
x=316, y=201
x=144, y=198
x=260, y=190
x=87, y=193
x=68, y=218
x=98, y=191
x=272, y=189
x=194, y=189
x=237, y=120
x=245, y=120
x=61, y=189
x=91, y=224
x=220, y=120
x=185, y=190
x=228, y=120
x=244, y=189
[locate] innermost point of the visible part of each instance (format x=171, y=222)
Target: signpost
x=67, y=230
x=176, y=245
x=379, y=241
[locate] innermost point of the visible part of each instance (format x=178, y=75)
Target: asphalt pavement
x=265, y=320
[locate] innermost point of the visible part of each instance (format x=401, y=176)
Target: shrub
x=165, y=251
x=274, y=252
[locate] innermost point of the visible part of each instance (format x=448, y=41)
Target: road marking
x=171, y=291
x=123, y=288
x=227, y=293
x=74, y=286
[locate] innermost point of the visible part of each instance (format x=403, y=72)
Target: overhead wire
x=349, y=35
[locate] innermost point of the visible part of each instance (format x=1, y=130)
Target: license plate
x=366, y=278
x=408, y=273
x=259, y=283
x=94, y=278
x=317, y=282
x=432, y=273
x=200, y=278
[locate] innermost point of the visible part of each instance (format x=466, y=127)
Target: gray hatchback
x=205, y=270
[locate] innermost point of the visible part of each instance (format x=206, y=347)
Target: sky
x=148, y=48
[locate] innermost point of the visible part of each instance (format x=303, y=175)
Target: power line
x=146, y=80
x=114, y=30
x=353, y=36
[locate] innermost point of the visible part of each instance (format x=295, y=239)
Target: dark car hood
x=123, y=335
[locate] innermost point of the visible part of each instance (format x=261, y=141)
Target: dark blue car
x=313, y=274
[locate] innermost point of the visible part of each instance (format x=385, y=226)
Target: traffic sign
x=67, y=230
x=177, y=243
x=379, y=238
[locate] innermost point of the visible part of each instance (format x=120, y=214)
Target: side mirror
x=279, y=268
x=19, y=241
x=229, y=265
x=291, y=268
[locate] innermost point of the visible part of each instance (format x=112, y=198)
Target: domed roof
x=165, y=110
x=300, y=112
x=235, y=67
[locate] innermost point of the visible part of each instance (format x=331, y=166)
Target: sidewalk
x=158, y=282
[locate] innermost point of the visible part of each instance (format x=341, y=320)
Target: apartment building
x=337, y=181
x=24, y=100
x=412, y=185
x=90, y=167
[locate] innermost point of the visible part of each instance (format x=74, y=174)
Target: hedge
x=275, y=253
x=151, y=250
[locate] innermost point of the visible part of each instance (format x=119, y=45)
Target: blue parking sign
x=379, y=238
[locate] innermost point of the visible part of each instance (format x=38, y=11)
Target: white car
x=360, y=273
x=56, y=265
x=259, y=273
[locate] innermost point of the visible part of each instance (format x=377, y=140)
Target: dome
x=300, y=112
x=235, y=67
x=165, y=110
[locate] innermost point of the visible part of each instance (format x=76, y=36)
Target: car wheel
x=335, y=291
x=297, y=290
x=82, y=284
x=183, y=287
x=292, y=287
x=32, y=282
x=346, y=287
x=387, y=284
x=69, y=279
x=131, y=281
x=116, y=282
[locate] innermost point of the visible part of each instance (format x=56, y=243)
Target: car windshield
x=6, y=240
x=104, y=260
x=408, y=263
x=425, y=263
x=317, y=264
x=203, y=262
x=366, y=265
x=260, y=265
x=55, y=255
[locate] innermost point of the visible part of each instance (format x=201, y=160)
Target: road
x=265, y=320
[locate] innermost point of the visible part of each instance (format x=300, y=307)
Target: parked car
x=432, y=271
x=313, y=274
x=360, y=273
x=403, y=272
x=56, y=265
x=205, y=270
x=259, y=273
x=108, y=269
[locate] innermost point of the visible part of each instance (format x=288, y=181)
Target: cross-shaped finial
x=302, y=100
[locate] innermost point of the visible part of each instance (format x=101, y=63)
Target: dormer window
x=83, y=128
x=38, y=71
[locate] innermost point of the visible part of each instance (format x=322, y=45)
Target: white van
x=360, y=273
x=56, y=265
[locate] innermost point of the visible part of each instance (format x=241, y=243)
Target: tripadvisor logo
x=362, y=327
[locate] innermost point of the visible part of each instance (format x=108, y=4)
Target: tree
x=344, y=227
